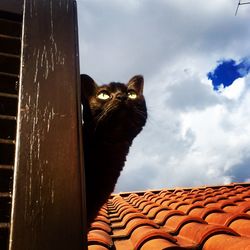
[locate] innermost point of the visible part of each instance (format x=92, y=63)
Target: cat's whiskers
x=105, y=114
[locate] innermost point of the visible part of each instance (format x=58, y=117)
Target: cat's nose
x=121, y=97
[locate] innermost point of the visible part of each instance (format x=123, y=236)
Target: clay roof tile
x=99, y=238
x=241, y=224
x=142, y=236
x=226, y=242
x=206, y=218
x=199, y=233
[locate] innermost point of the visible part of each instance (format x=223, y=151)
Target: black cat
x=113, y=115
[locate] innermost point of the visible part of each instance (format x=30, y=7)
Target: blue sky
x=195, y=63
x=227, y=71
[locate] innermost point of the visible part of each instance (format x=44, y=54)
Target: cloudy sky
x=195, y=58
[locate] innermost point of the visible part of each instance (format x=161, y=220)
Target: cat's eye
x=132, y=94
x=103, y=95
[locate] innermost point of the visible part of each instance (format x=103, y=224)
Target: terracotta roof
x=206, y=218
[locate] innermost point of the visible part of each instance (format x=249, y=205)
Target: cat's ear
x=88, y=86
x=137, y=83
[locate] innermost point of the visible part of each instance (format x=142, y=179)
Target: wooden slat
x=8, y=95
x=9, y=21
x=9, y=27
x=5, y=195
x=13, y=6
x=4, y=225
x=8, y=117
x=10, y=37
x=6, y=141
x=6, y=167
x=9, y=55
x=9, y=63
x=10, y=45
x=9, y=74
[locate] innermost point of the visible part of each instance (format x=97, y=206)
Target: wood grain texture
x=48, y=207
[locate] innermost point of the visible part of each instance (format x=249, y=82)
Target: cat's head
x=115, y=106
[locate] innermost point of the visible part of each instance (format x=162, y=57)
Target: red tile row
x=177, y=219
x=99, y=236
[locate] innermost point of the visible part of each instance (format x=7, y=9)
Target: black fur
x=108, y=131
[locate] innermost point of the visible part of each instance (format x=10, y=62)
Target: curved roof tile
x=206, y=218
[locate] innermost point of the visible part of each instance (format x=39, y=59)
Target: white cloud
x=235, y=90
x=190, y=148
x=194, y=136
x=189, y=92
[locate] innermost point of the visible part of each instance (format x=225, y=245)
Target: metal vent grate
x=10, y=50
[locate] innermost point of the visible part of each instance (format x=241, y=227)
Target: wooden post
x=48, y=202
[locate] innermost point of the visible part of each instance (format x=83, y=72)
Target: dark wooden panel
x=10, y=50
x=14, y=6
x=48, y=209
